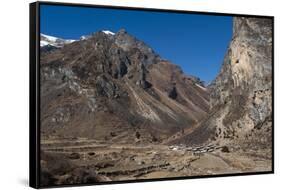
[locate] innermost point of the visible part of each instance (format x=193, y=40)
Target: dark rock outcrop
x=173, y=93
x=142, y=82
x=105, y=87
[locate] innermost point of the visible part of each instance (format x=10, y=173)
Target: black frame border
x=34, y=92
x=34, y=95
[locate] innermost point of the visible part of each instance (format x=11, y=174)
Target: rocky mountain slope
x=114, y=87
x=241, y=94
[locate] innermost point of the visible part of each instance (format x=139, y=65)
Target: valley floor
x=114, y=162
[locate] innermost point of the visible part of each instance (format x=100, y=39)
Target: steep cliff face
x=243, y=88
x=114, y=86
x=241, y=94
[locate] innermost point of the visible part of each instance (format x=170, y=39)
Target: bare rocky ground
x=114, y=162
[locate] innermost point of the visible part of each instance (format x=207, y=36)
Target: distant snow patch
x=43, y=43
x=108, y=32
x=84, y=37
x=69, y=41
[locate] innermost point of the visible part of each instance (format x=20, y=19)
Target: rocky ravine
x=112, y=109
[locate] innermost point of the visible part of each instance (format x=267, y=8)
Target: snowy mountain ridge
x=47, y=40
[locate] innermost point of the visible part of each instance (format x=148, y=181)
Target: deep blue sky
x=195, y=42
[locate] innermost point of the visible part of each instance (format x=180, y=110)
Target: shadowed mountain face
x=114, y=87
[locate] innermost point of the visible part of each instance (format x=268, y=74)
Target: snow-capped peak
x=108, y=32
x=53, y=41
